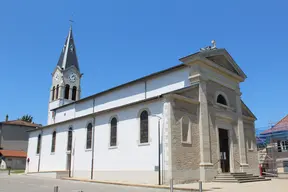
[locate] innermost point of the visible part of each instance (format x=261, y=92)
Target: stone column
x=240, y=130
x=167, y=140
x=61, y=91
x=70, y=93
x=51, y=92
x=204, y=131
x=78, y=93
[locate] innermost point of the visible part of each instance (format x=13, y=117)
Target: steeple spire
x=68, y=56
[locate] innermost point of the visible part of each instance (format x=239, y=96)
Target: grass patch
x=17, y=171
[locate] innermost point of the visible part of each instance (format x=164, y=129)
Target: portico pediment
x=218, y=59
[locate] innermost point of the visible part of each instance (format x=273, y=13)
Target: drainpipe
x=93, y=138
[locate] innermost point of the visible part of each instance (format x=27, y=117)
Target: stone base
x=207, y=172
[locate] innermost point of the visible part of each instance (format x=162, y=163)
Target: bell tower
x=65, y=78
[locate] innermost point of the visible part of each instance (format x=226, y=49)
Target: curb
x=130, y=184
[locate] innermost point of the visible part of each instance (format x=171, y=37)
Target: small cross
x=70, y=20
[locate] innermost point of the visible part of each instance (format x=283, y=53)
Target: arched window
x=70, y=136
x=74, y=91
x=53, y=93
x=89, y=136
x=53, y=141
x=221, y=99
x=113, y=132
x=57, y=91
x=67, y=88
x=38, y=144
x=144, y=127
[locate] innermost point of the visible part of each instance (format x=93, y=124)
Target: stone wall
x=185, y=157
x=251, y=149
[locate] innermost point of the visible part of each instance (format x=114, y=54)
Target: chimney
x=7, y=117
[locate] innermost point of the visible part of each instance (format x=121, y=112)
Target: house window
x=38, y=144
x=284, y=146
x=144, y=127
x=57, y=91
x=74, y=91
x=89, y=136
x=53, y=93
x=113, y=132
x=70, y=136
x=185, y=130
x=221, y=100
x=53, y=141
x=67, y=88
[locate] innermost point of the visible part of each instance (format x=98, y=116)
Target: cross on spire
x=71, y=20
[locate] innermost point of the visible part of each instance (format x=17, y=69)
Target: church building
x=187, y=122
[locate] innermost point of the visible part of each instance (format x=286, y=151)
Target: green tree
x=27, y=118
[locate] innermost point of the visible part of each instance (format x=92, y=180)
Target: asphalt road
x=23, y=183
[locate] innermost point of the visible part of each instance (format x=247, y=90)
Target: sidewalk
x=275, y=185
x=182, y=188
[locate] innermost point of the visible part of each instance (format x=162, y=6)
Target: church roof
x=68, y=56
x=20, y=122
x=282, y=125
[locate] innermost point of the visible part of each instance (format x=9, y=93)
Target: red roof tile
x=20, y=122
x=11, y=153
x=282, y=125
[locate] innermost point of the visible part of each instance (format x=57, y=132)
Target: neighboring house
x=14, y=141
x=274, y=148
x=13, y=159
x=204, y=126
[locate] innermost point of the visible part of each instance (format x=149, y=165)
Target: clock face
x=72, y=77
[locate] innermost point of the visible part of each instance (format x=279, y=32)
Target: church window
x=53, y=93
x=185, y=130
x=144, y=127
x=38, y=144
x=53, y=141
x=74, y=91
x=57, y=91
x=69, y=143
x=67, y=88
x=113, y=132
x=221, y=99
x=89, y=136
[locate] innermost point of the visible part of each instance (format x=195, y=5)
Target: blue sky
x=119, y=41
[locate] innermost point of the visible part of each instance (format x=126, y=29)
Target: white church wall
x=54, y=161
x=166, y=82
x=119, y=163
x=84, y=108
x=65, y=113
x=128, y=94
x=81, y=159
x=129, y=161
x=31, y=152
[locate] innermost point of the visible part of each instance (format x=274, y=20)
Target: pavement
x=26, y=183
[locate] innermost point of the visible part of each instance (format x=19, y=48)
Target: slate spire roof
x=68, y=56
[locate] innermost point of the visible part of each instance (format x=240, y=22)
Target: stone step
x=255, y=180
x=240, y=177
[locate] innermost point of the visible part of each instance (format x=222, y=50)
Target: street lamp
x=159, y=149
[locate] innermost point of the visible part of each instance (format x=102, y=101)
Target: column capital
x=198, y=78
